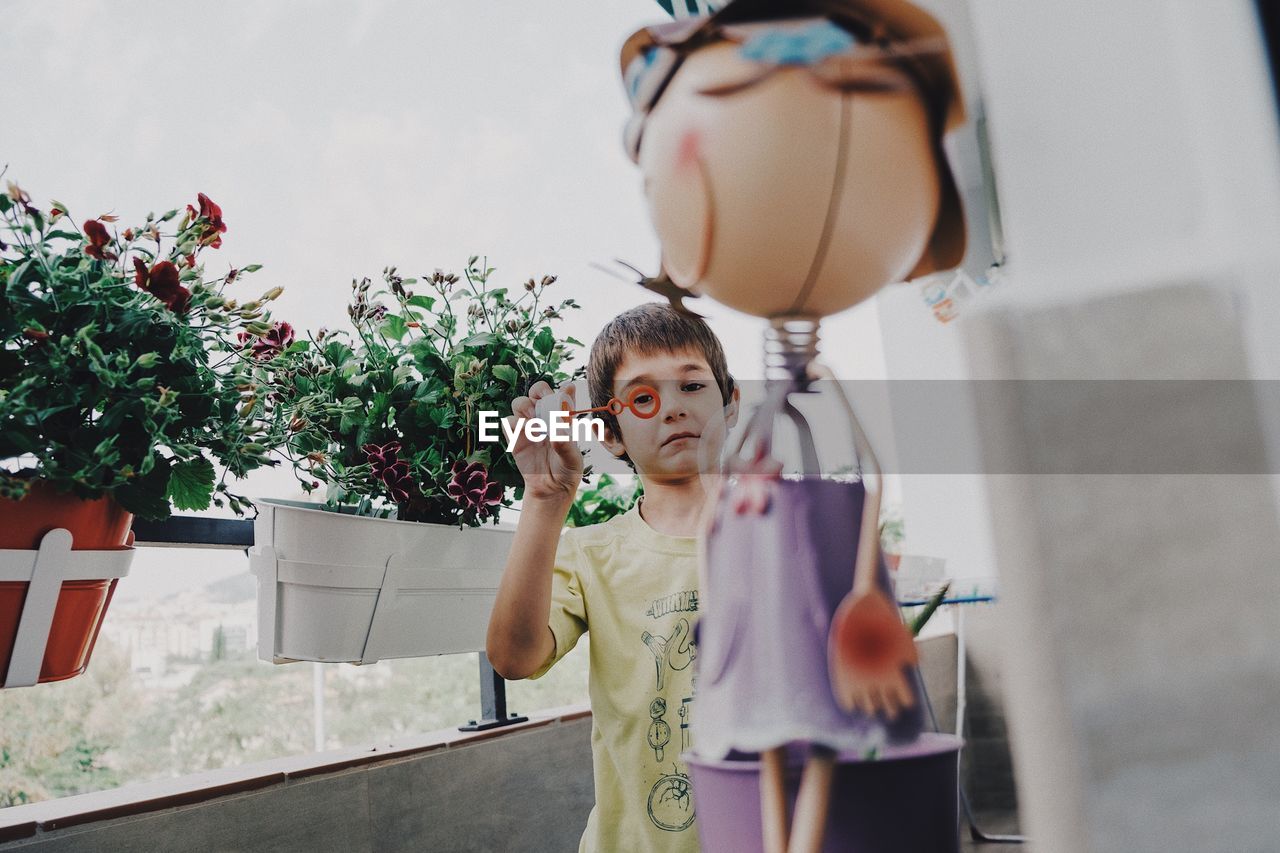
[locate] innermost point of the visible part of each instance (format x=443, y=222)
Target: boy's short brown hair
x=653, y=327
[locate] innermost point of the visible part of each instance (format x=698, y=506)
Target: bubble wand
x=617, y=405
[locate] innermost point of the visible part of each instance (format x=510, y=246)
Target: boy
x=631, y=581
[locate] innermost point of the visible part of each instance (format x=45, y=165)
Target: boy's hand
x=551, y=469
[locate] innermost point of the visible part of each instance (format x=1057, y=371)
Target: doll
x=793, y=166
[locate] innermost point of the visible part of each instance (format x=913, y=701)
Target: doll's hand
x=753, y=488
x=869, y=648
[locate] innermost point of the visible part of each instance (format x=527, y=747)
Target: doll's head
x=793, y=165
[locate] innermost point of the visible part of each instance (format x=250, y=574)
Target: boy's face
x=667, y=446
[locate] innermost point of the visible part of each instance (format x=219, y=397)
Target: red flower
x=393, y=472
x=214, y=227
x=35, y=335
x=271, y=344
x=471, y=487
x=162, y=282
x=397, y=480
x=381, y=456
x=98, y=238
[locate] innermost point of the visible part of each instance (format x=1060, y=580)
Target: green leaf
x=393, y=327
x=544, y=341
x=20, y=275
x=922, y=619
x=427, y=302
x=252, y=268
x=352, y=414
x=379, y=406
x=506, y=373
x=191, y=484
x=146, y=495
x=479, y=339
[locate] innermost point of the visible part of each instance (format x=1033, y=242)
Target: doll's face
x=788, y=197
x=793, y=168
x=691, y=422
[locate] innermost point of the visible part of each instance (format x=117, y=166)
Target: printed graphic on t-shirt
x=677, y=602
x=675, y=652
x=670, y=801
x=659, y=730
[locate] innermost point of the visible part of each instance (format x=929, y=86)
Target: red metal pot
x=99, y=524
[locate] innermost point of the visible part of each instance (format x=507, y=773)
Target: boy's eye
x=693, y=386
x=643, y=400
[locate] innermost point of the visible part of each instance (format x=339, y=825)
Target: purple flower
x=393, y=472
x=471, y=487
x=271, y=344
x=397, y=480
x=381, y=456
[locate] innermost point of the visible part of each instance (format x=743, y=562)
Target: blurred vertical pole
x=317, y=705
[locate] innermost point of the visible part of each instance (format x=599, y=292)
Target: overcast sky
x=340, y=137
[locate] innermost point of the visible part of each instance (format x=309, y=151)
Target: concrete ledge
x=527, y=787
x=201, y=807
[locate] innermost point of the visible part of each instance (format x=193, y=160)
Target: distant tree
x=219, y=651
x=105, y=729
x=61, y=738
x=233, y=711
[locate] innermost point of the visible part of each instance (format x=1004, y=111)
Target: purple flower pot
x=904, y=801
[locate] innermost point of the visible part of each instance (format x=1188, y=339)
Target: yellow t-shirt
x=635, y=589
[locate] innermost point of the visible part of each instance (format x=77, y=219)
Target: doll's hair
x=649, y=329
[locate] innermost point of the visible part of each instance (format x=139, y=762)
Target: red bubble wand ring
x=617, y=406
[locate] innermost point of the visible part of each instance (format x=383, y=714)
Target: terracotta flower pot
x=94, y=525
x=99, y=524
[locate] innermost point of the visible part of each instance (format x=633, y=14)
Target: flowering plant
x=124, y=370
x=387, y=414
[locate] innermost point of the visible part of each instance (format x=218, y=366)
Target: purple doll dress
x=772, y=584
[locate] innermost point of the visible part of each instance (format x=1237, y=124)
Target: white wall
x=945, y=515
x=1134, y=144
x=1137, y=145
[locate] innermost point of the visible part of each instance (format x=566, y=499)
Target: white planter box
x=343, y=588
